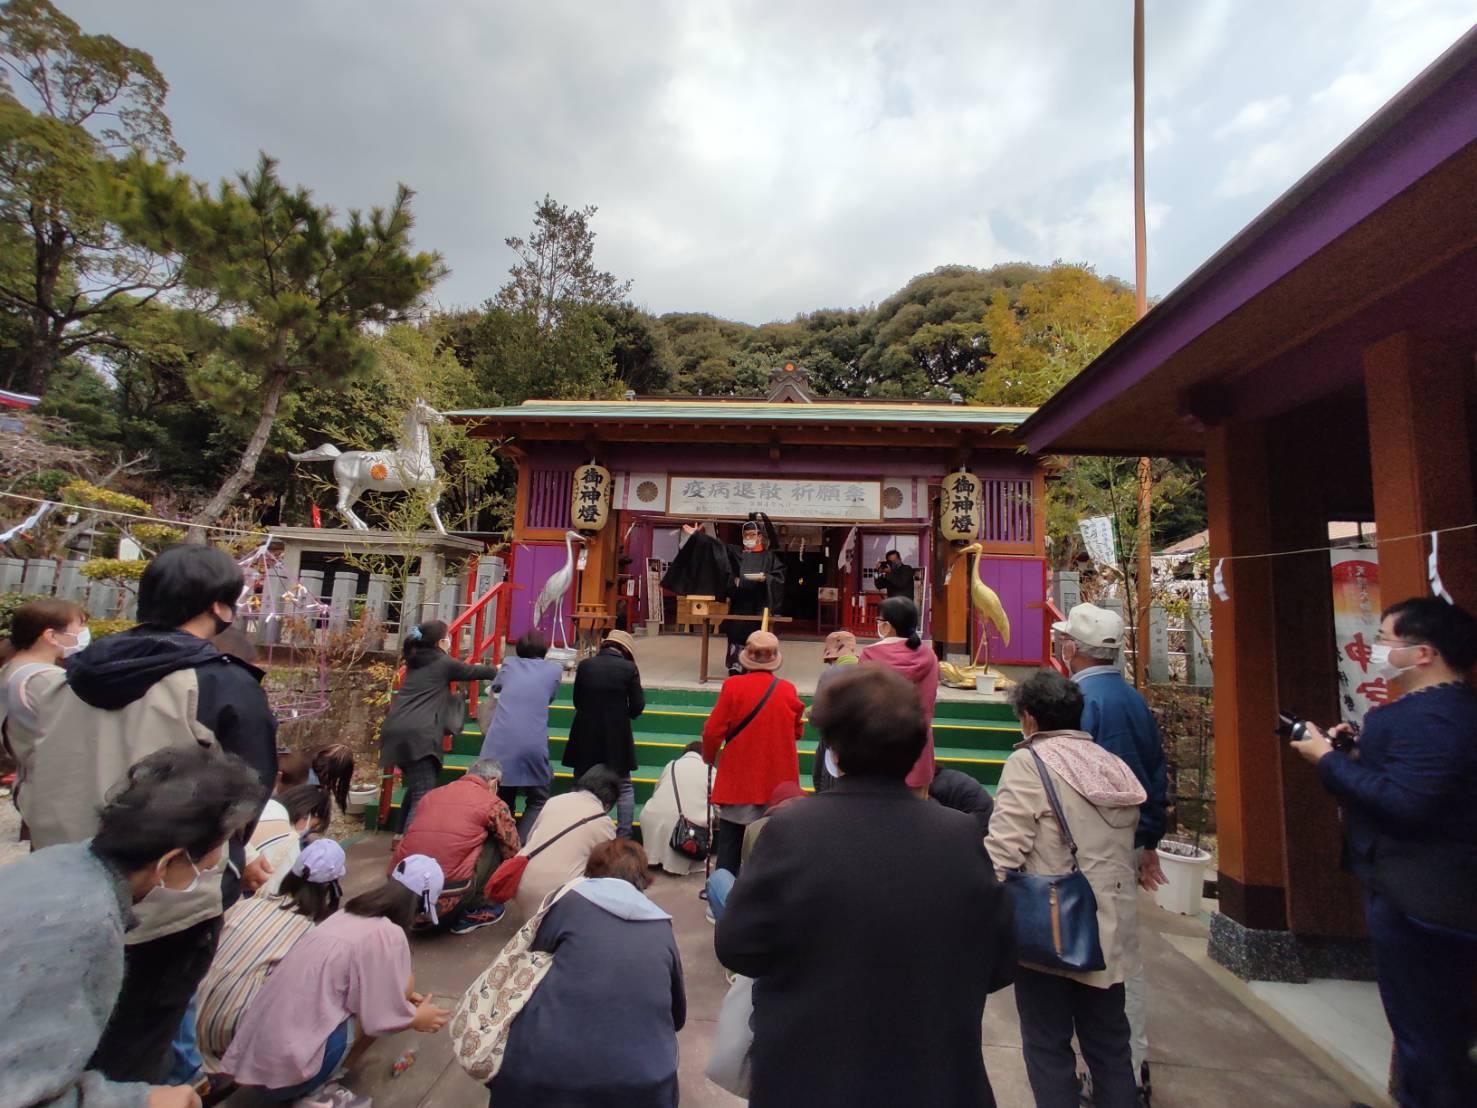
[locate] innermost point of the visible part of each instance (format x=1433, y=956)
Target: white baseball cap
x=1092, y=626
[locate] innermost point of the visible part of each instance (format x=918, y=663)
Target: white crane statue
x=555, y=588
x=407, y=468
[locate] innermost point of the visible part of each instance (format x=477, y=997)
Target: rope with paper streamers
x=1433, y=572
x=46, y=505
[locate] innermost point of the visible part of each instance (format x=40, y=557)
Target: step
x=702, y=701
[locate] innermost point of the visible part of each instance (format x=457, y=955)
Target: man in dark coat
x=607, y=697
x=850, y=1005
x=895, y=576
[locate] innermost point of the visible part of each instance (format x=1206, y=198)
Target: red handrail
x=492, y=643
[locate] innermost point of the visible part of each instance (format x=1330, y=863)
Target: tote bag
x=485, y=1014
x=1055, y=914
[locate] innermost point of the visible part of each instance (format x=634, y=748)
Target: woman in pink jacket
x=899, y=647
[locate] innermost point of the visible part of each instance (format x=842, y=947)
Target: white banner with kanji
x=1356, y=623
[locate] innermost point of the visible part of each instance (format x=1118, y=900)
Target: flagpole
x=1141, y=302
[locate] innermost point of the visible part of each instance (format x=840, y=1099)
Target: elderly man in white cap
x=1118, y=718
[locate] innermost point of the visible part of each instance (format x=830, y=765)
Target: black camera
x=1295, y=730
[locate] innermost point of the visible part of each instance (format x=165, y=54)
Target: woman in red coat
x=758, y=755
x=899, y=647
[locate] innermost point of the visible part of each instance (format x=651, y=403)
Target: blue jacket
x=1413, y=778
x=1118, y=718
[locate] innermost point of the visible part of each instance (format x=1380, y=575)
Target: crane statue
x=551, y=596
x=986, y=603
x=407, y=468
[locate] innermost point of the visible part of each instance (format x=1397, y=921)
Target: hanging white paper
x=1433, y=572
x=26, y=524
x=1097, y=536
x=1218, y=581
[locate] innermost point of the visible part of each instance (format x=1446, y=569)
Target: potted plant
x=1184, y=871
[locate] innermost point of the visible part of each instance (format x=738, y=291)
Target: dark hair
x=233, y=641
x=902, y=613
x=334, y=766
x=390, y=900
x=308, y=801
x=604, y=782
x=315, y=899
x=889, y=554
x=533, y=645
x=622, y=858
x=1054, y=701
x=195, y=797
x=872, y=719
x=1449, y=630
x=186, y=580
x=33, y=619
x=424, y=643
x=292, y=770
x=694, y=747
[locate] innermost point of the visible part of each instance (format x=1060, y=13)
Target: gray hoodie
x=63, y=912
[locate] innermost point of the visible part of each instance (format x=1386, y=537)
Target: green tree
x=292, y=290
x=556, y=267
x=70, y=102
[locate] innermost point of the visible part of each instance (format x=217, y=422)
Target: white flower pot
x=1184, y=882
x=986, y=684
x=361, y=797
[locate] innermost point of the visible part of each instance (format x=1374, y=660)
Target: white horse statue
x=407, y=468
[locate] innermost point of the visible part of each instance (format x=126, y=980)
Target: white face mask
x=1379, y=659
x=831, y=767
x=883, y=630
x=194, y=881
x=84, y=639
x=750, y=542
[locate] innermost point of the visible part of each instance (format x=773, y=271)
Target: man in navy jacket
x=1118, y=718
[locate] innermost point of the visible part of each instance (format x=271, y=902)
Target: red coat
x=763, y=753
x=451, y=824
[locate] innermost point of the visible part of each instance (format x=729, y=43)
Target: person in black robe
x=751, y=577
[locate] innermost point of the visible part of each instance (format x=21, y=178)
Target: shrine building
x=843, y=481
x=1321, y=363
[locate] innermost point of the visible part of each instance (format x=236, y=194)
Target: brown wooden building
x=1322, y=363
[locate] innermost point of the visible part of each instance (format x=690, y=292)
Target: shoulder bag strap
x=748, y=719
x=536, y=851
x=676, y=789
x=1056, y=805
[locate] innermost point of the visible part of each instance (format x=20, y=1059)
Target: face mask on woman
x=83, y=639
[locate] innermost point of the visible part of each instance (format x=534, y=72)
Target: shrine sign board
x=777, y=497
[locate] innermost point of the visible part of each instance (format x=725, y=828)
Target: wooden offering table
x=709, y=612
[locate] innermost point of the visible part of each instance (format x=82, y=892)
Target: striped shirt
x=257, y=934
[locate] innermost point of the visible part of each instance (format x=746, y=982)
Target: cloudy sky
x=757, y=159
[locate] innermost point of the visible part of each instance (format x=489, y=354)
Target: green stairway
x=973, y=736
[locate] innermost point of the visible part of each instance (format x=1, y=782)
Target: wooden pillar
x=597, y=583
x=1322, y=900
x=1421, y=460
x=1248, y=788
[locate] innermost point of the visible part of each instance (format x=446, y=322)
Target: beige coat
x=1025, y=834
x=659, y=817
x=566, y=859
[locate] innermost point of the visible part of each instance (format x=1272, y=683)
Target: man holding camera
x=1406, y=784
x=894, y=576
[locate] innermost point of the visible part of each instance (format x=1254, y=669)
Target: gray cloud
x=757, y=159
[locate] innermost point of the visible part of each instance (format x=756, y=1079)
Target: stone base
x=1255, y=955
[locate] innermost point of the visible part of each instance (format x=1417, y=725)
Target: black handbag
x=689, y=839
x=1055, y=915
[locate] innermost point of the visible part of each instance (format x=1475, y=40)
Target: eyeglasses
x=1396, y=643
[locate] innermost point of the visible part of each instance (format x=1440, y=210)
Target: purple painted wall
x=534, y=564
x=1021, y=585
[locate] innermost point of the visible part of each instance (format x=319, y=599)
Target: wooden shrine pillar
x=1322, y=900
x=1417, y=393
x=1249, y=816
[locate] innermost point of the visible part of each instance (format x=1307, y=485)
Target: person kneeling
x=354, y=967
x=63, y=912
x=469, y=831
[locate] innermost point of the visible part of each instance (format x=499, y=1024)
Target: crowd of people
x=192, y=918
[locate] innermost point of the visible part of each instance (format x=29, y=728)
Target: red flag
x=317, y=517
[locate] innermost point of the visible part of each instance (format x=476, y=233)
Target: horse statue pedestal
x=432, y=550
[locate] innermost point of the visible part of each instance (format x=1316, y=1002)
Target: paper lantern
x=590, y=498
x=959, y=507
